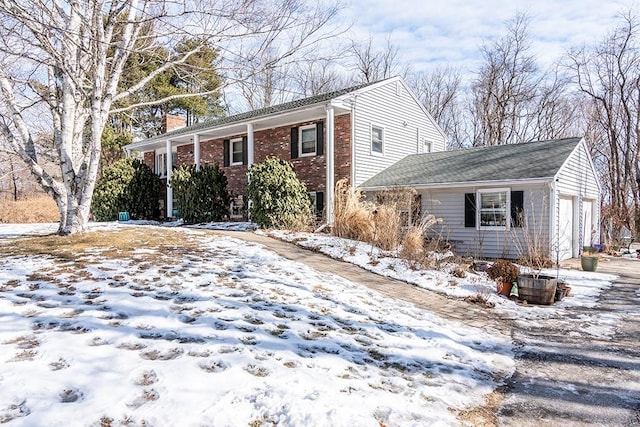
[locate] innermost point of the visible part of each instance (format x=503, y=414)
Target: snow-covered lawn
x=586, y=286
x=206, y=330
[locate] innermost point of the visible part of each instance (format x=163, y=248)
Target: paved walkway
x=564, y=376
x=449, y=308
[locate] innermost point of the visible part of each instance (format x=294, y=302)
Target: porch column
x=329, y=158
x=196, y=151
x=169, y=212
x=250, y=149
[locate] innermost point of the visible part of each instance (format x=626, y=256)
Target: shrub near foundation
x=201, y=194
x=279, y=199
x=127, y=185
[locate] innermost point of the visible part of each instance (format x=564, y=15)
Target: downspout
x=353, y=140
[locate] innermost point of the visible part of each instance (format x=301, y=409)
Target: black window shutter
x=470, y=210
x=225, y=150
x=319, y=203
x=319, y=138
x=245, y=153
x=517, y=208
x=294, y=143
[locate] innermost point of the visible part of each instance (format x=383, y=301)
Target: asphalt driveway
x=584, y=368
x=579, y=368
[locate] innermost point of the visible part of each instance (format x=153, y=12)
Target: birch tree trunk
x=61, y=62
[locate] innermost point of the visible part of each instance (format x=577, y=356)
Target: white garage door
x=565, y=230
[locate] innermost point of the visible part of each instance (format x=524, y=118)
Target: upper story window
x=308, y=140
x=236, y=152
x=426, y=146
x=377, y=139
x=494, y=208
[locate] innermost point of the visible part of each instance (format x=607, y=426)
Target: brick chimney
x=172, y=122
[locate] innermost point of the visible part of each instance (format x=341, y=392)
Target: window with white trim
x=377, y=139
x=308, y=140
x=161, y=162
x=494, y=208
x=236, y=152
x=426, y=146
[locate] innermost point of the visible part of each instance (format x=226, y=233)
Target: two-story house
x=353, y=133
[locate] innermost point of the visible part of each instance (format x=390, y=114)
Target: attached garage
x=500, y=201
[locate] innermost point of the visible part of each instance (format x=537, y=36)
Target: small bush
x=279, y=198
x=127, y=185
x=503, y=271
x=201, y=194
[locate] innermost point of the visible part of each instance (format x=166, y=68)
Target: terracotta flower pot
x=504, y=288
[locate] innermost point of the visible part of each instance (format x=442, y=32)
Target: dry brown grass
x=111, y=244
x=353, y=217
x=37, y=209
x=484, y=416
x=413, y=244
x=379, y=223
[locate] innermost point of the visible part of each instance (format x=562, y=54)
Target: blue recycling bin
x=123, y=216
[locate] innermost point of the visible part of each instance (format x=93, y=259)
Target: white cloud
x=439, y=32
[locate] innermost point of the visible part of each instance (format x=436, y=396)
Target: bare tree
x=317, y=76
x=440, y=93
x=504, y=87
x=608, y=75
x=62, y=62
x=372, y=63
x=556, y=111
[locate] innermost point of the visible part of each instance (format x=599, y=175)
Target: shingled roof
x=262, y=112
x=531, y=160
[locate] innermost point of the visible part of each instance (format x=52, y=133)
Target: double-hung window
x=308, y=140
x=377, y=139
x=493, y=208
x=236, y=152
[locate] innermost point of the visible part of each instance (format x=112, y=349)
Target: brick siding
x=275, y=142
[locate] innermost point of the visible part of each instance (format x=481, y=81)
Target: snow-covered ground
x=230, y=334
x=585, y=286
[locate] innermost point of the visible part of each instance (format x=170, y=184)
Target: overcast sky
x=440, y=32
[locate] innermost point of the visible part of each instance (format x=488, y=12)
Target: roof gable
x=531, y=160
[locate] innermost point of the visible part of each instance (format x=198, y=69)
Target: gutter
x=460, y=184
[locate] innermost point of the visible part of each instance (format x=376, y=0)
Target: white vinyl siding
x=577, y=180
x=405, y=124
x=448, y=204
